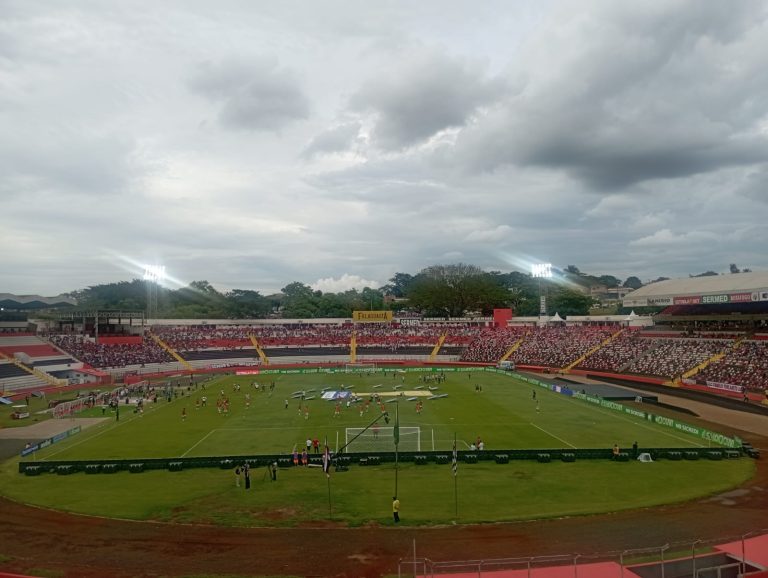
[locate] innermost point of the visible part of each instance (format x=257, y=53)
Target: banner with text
x=371, y=316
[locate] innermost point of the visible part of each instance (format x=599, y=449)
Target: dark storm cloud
x=254, y=95
x=427, y=93
x=645, y=92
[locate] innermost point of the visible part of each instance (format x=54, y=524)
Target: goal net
x=382, y=439
x=360, y=368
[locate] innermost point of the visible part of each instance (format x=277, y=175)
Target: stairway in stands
x=596, y=348
x=171, y=351
x=259, y=350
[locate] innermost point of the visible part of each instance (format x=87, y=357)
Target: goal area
x=382, y=439
x=360, y=368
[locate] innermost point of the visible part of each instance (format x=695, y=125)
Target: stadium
x=488, y=412
x=377, y=289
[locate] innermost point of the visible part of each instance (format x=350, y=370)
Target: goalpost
x=360, y=368
x=382, y=439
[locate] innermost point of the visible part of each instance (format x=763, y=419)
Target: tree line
x=437, y=291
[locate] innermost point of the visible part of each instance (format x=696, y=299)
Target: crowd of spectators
x=746, y=365
x=326, y=335
x=671, y=358
x=543, y=346
x=617, y=354
x=107, y=356
x=559, y=346
x=489, y=345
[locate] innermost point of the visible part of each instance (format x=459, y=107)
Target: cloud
x=666, y=238
x=755, y=185
x=333, y=140
x=489, y=235
x=254, y=95
x=625, y=93
x=624, y=138
x=343, y=283
x=429, y=92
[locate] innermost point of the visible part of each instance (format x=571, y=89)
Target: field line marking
x=643, y=425
x=89, y=438
x=553, y=435
x=198, y=443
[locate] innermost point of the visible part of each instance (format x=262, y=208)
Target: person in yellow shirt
x=396, y=509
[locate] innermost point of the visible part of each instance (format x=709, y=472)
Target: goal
x=382, y=440
x=360, y=368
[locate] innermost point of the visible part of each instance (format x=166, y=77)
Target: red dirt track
x=83, y=546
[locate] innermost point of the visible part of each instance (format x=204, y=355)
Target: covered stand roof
x=732, y=288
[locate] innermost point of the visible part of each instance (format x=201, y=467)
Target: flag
x=455, y=460
x=327, y=460
x=396, y=430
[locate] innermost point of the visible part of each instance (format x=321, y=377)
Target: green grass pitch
x=504, y=415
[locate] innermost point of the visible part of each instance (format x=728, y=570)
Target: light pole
x=542, y=271
x=153, y=275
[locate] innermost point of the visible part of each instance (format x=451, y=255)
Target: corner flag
x=455, y=460
x=396, y=430
x=327, y=460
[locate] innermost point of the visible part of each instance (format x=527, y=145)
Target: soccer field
x=504, y=414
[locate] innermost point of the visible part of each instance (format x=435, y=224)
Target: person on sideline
x=396, y=509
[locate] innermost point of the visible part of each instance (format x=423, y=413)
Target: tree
x=300, y=302
x=705, y=274
x=245, y=304
x=573, y=269
x=570, y=302
x=609, y=280
x=398, y=285
x=633, y=283
x=733, y=268
x=451, y=290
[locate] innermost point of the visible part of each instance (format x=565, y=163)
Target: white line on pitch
x=89, y=438
x=611, y=413
x=198, y=443
x=553, y=435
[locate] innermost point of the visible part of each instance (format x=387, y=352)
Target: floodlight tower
x=153, y=275
x=542, y=271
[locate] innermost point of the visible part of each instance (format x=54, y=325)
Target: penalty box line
x=249, y=429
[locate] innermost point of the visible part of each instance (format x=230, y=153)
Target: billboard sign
x=372, y=316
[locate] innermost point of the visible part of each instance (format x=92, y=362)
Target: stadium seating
x=616, y=355
x=745, y=365
x=671, y=358
x=104, y=356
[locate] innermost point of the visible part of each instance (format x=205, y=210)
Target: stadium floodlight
x=153, y=276
x=541, y=270
x=154, y=273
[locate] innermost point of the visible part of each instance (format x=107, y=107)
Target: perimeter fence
x=723, y=557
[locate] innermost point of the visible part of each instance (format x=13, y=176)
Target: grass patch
x=487, y=492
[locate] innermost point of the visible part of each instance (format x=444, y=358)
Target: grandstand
x=712, y=334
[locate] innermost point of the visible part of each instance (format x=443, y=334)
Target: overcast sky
x=335, y=143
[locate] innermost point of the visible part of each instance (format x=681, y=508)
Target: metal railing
x=690, y=551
